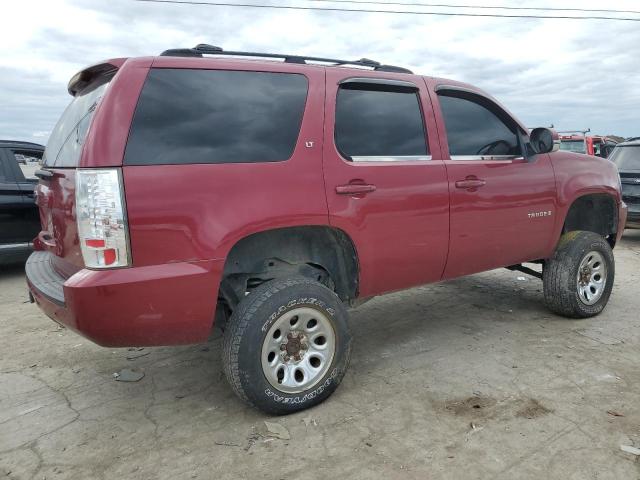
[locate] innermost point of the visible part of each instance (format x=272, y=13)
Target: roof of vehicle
x=191, y=58
x=581, y=138
x=20, y=144
x=634, y=142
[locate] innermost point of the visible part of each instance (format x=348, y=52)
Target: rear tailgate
x=55, y=196
x=55, y=193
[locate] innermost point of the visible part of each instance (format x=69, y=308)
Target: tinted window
x=66, y=140
x=215, y=116
x=474, y=129
x=626, y=158
x=379, y=123
x=28, y=161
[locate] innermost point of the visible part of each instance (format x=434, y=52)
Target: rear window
x=626, y=158
x=66, y=140
x=29, y=161
x=216, y=116
x=576, y=146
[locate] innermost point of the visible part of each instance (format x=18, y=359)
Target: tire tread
x=559, y=275
x=242, y=318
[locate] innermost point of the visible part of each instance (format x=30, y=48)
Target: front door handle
x=471, y=183
x=355, y=189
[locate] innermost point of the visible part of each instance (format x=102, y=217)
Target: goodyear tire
x=287, y=345
x=579, y=278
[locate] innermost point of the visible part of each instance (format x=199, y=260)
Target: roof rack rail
x=583, y=132
x=204, y=49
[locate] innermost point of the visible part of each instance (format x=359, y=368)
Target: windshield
x=626, y=158
x=576, y=146
x=66, y=140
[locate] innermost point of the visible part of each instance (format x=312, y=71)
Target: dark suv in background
x=19, y=218
x=626, y=156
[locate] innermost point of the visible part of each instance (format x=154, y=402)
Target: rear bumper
x=168, y=304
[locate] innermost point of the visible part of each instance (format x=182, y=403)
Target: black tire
x=560, y=275
x=249, y=325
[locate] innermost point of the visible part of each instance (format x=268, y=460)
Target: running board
x=527, y=270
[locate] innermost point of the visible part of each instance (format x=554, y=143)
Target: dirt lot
x=467, y=379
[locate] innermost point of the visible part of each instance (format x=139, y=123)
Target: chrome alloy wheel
x=592, y=278
x=298, y=350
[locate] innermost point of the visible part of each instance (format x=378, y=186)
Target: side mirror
x=544, y=140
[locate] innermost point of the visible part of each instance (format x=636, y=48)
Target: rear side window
x=474, y=128
x=378, y=122
x=216, y=116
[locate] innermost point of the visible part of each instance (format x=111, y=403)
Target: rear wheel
x=287, y=345
x=579, y=278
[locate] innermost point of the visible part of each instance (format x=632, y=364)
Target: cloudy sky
x=574, y=74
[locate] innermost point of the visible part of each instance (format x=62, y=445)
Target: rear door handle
x=470, y=182
x=355, y=189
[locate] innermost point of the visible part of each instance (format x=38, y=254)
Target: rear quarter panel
x=107, y=138
x=198, y=212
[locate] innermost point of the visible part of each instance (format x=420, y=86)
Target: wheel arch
x=324, y=253
x=595, y=212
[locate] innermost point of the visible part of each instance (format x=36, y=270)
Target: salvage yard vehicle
x=268, y=193
x=19, y=218
x=626, y=156
x=596, y=145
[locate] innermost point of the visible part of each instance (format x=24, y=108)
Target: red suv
x=270, y=193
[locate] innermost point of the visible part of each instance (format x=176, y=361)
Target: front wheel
x=579, y=278
x=287, y=345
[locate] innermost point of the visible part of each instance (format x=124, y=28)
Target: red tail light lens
x=101, y=217
x=95, y=243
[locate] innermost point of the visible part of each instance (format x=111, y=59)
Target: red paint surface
x=158, y=305
x=414, y=227
x=401, y=229
x=59, y=235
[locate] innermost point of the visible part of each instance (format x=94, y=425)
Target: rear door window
x=379, y=122
x=216, y=116
x=475, y=129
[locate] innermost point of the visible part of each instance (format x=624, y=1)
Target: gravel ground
x=467, y=379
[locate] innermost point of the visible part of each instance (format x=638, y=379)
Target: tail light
x=101, y=217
